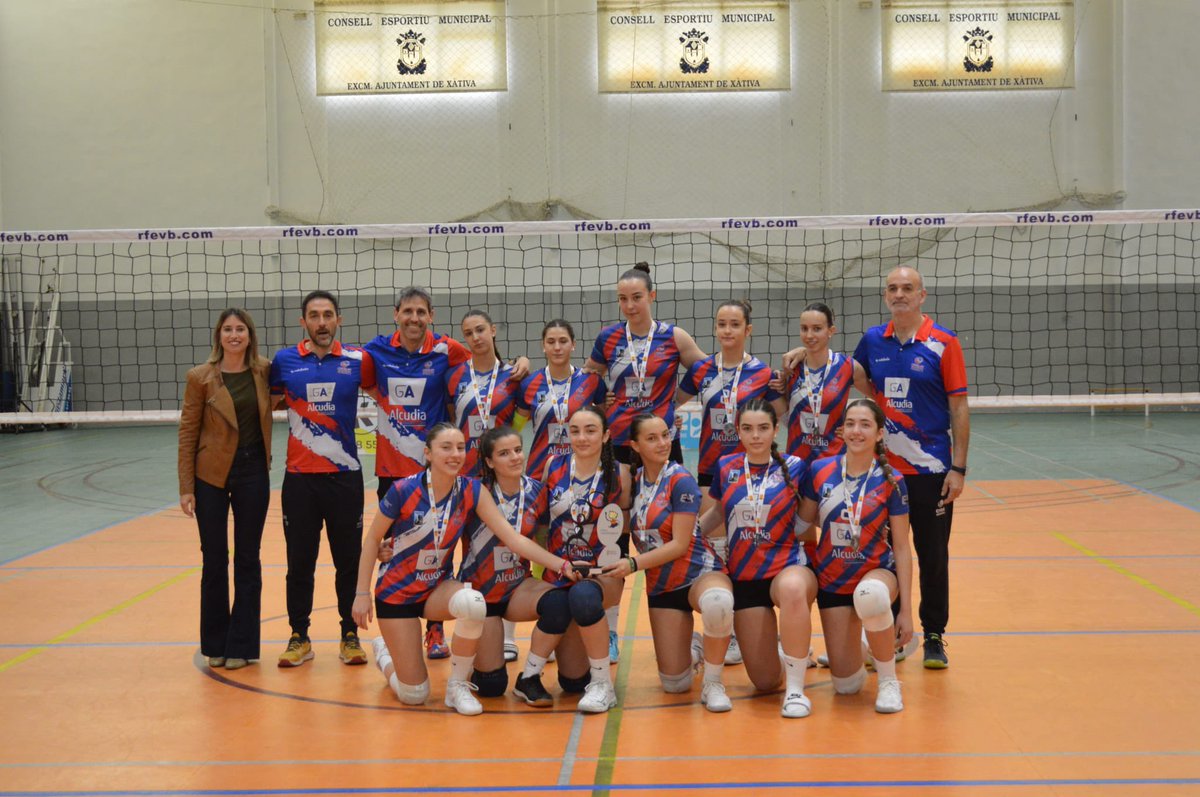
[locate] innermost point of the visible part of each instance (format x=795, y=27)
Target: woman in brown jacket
x=224, y=454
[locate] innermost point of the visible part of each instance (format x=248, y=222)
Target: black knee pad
x=574, y=686
x=587, y=603
x=554, y=612
x=491, y=684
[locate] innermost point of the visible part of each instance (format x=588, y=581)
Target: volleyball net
x=1053, y=309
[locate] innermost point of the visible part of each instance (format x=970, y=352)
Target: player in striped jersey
x=481, y=393
x=683, y=574
x=423, y=517
x=758, y=507
x=863, y=560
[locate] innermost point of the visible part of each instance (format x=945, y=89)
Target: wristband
x=361, y=594
x=632, y=564
x=562, y=570
x=962, y=471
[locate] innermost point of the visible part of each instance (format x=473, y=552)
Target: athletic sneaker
x=435, y=642
x=935, y=652
x=713, y=697
x=697, y=650
x=823, y=660
x=350, y=651
x=510, y=651
x=887, y=699
x=299, y=650
x=598, y=697
x=459, y=698
x=734, y=654
x=796, y=705
x=216, y=661
x=614, y=649
x=235, y=663
x=904, y=652
x=532, y=692
x=380, y=650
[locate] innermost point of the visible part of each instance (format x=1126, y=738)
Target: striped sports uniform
x=840, y=561
x=718, y=434
x=487, y=564
x=413, y=397
x=759, y=547
x=549, y=404
x=497, y=391
x=812, y=436
x=576, y=524
x=634, y=395
x=321, y=394
x=652, y=519
x=422, y=537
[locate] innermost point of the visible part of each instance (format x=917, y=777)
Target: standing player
x=914, y=369
x=318, y=380
x=818, y=388
x=481, y=392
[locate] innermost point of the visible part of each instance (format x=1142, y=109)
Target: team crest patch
x=979, y=57
x=427, y=369
x=344, y=367
x=695, y=59
x=918, y=364
x=734, y=475
x=412, y=53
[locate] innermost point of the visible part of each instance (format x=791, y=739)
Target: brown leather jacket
x=208, y=428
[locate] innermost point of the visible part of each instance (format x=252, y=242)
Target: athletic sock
x=600, y=670
x=534, y=664
x=795, y=668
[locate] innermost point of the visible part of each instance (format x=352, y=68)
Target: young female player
x=863, y=559
x=585, y=495
x=482, y=392
x=423, y=517
x=757, y=506
x=683, y=574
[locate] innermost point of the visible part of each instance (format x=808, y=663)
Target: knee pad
x=873, y=605
x=851, y=684
x=586, y=599
x=469, y=609
x=409, y=695
x=574, y=686
x=554, y=612
x=716, y=611
x=676, y=684
x=491, y=684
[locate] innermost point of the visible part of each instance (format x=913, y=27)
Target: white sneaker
x=796, y=705
x=811, y=661
x=734, y=654
x=823, y=660
x=459, y=698
x=903, y=653
x=713, y=697
x=382, y=657
x=598, y=697
x=887, y=700
x=510, y=651
x=697, y=650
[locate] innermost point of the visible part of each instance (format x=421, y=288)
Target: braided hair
x=761, y=405
x=880, y=449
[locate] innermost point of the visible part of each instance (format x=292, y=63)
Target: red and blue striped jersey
x=759, y=547
x=466, y=409
x=591, y=537
x=633, y=397
x=811, y=437
x=913, y=380
x=549, y=434
x=421, y=557
x=677, y=492
x=839, y=565
x=413, y=391
x=321, y=394
x=718, y=434
x=487, y=564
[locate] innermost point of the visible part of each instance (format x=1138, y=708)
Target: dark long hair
x=487, y=446
x=640, y=271
x=635, y=426
x=484, y=315
x=608, y=461
x=880, y=448
x=761, y=405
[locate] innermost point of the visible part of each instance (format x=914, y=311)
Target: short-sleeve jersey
x=466, y=409
x=811, y=437
x=677, y=492
x=913, y=380
x=578, y=539
x=703, y=380
x=490, y=566
x=759, y=548
x=421, y=558
x=413, y=391
x=656, y=393
x=549, y=436
x=839, y=565
x=321, y=394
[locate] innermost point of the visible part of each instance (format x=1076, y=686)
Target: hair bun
x=642, y=265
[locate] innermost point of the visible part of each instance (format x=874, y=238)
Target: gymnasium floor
x=1074, y=639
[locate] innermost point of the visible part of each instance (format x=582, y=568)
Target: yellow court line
x=91, y=621
x=1145, y=582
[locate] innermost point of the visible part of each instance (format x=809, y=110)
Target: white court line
x=570, y=755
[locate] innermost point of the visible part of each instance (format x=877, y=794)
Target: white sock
x=510, y=632
x=886, y=669
x=614, y=618
x=713, y=672
x=460, y=667
x=795, y=668
x=600, y=670
x=534, y=664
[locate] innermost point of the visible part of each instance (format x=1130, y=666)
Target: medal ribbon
x=855, y=508
x=756, y=495
x=484, y=403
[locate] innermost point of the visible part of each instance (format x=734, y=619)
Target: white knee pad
x=716, y=610
x=469, y=610
x=852, y=684
x=873, y=605
x=676, y=684
x=409, y=695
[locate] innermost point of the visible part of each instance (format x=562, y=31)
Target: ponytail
x=786, y=476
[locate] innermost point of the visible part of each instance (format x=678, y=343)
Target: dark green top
x=245, y=403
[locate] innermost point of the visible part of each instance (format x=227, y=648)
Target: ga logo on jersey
x=405, y=391
x=895, y=387
x=319, y=391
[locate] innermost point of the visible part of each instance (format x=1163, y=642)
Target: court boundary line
x=1137, y=579
x=87, y=533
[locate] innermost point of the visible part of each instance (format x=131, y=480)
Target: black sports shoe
x=935, y=652
x=532, y=692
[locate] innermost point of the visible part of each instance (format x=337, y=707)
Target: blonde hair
x=218, y=351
